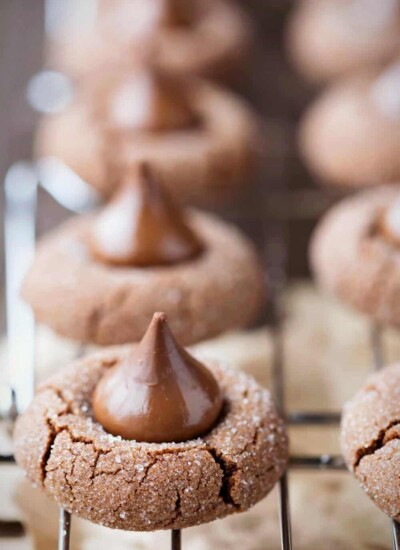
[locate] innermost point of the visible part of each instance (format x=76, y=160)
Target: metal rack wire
x=325, y=461
x=277, y=263
x=21, y=206
x=20, y=221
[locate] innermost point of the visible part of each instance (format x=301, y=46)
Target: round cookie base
x=353, y=261
x=370, y=438
x=142, y=486
x=85, y=300
x=345, y=139
x=198, y=165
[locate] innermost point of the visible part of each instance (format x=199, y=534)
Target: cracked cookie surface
x=370, y=438
x=142, y=486
x=86, y=300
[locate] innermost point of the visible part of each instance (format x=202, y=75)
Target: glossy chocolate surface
x=160, y=393
x=142, y=226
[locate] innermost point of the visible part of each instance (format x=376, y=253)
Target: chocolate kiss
x=160, y=393
x=389, y=223
x=142, y=227
x=149, y=100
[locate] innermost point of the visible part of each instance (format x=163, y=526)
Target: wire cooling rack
x=21, y=189
x=21, y=192
x=304, y=418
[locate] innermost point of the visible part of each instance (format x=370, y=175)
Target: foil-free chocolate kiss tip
x=159, y=393
x=142, y=226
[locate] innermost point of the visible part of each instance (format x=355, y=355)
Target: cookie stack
x=143, y=435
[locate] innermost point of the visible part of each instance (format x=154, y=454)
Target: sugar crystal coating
x=157, y=486
x=86, y=300
x=370, y=438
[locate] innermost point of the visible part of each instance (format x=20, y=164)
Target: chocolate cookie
x=371, y=438
x=355, y=253
x=349, y=137
x=209, y=38
x=82, y=298
x=329, y=39
x=145, y=486
x=196, y=162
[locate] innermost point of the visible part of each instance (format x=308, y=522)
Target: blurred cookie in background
x=354, y=253
x=330, y=38
x=204, y=142
x=350, y=135
x=210, y=38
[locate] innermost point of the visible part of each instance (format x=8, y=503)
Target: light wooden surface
x=327, y=358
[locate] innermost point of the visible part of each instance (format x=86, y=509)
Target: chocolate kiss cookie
x=141, y=226
x=203, y=142
x=329, y=39
x=370, y=438
x=160, y=393
x=99, y=278
x=210, y=38
x=355, y=253
x=237, y=458
x=350, y=136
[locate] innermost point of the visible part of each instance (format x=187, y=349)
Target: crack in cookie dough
x=228, y=470
x=145, y=486
x=47, y=453
x=378, y=443
x=370, y=438
x=53, y=432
